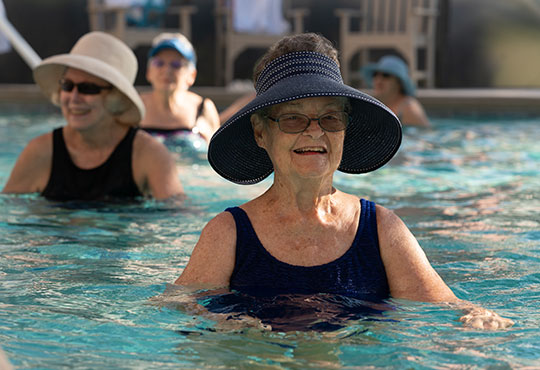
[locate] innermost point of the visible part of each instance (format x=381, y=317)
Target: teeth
x=308, y=149
x=78, y=111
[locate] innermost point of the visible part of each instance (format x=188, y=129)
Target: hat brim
x=369, y=70
x=50, y=71
x=372, y=137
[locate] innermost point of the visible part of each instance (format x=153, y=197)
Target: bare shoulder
x=154, y=167
x=39, y=150
x=210, y=112
x=212, y=260
x=386, y=217
x=394, y=236
x=414, y=114
x=32, y=169
x=222, y=223
x=147, y=144
x=42, y=143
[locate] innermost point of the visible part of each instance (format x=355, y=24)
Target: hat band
x=297, y=63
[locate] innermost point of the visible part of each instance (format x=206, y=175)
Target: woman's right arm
x=33, y=167
x=212, y=261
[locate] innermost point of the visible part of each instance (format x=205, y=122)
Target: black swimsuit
x=175, y=131
x=112, y=179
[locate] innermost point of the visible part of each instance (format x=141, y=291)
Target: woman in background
x=392, y=85
x=99, y=153
x=171, y=109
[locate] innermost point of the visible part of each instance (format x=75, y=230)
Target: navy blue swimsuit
x=358, y=273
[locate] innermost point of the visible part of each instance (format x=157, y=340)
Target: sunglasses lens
x=335, y=121
x=293, y=123
x=176, y=64
x=382, y=74
x=88, y=88
x=158, y=63
x=67, y=85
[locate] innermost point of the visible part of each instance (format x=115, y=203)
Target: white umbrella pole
x=19, y=43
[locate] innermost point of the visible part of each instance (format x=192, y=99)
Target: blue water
x=81, y=285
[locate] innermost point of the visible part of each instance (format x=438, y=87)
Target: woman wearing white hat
x=99, y=154
x=303, y=236
x=391, y=84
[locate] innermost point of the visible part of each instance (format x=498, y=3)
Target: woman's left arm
x=154, y=168
x=411, y=276
x=208, y=122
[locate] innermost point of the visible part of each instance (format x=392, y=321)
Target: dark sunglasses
x=86, y=88
x=294, y=123
x=382, y=74
x=174, y=64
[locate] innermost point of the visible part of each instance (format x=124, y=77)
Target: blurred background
x=478, y=43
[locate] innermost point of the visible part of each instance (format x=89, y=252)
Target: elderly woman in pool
x=99, y=154
x=303, y=236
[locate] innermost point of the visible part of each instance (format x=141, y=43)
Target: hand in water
x=480, y=318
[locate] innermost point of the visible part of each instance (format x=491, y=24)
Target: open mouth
x=78, y=111
x=310, y=150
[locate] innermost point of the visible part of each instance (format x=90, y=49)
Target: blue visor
x=185, y=49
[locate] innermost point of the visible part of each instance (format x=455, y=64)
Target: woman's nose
x=314, y=129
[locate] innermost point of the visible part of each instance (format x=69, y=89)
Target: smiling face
x=313, y=153
x=169, y=71
x=84, y=111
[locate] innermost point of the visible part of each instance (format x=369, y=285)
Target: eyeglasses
x=294, y=123
x=382, y=74
x=174, y=64
x=86, y=88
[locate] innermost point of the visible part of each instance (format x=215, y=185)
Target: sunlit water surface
x=78, y=281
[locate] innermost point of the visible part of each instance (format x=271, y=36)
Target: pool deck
x=435, y=101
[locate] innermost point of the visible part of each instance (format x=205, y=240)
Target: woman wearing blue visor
x=171, y=109
x=303, y=236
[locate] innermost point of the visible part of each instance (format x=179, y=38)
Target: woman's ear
x=257, y=124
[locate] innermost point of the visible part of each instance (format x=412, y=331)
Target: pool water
x=81, y=284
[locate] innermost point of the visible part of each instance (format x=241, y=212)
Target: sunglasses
x=86, y=88
x=174, y=64
x=382, y=74
x=294, y=123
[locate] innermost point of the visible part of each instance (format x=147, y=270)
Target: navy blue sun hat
x=394, y=66
x=177, y=42
x=372, y=137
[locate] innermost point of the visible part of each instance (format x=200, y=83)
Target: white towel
x=259, y=16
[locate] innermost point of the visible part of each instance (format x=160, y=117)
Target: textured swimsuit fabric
x=358, y=273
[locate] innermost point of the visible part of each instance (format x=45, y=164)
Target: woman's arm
x=411, y=276
x=154, y=168
x=413, y=114
x=33, y=167
x=208, y=122
x=212, y=261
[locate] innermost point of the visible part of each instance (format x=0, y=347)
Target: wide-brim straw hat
x=372, y=137
x=393, y=66
x=103, y=56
